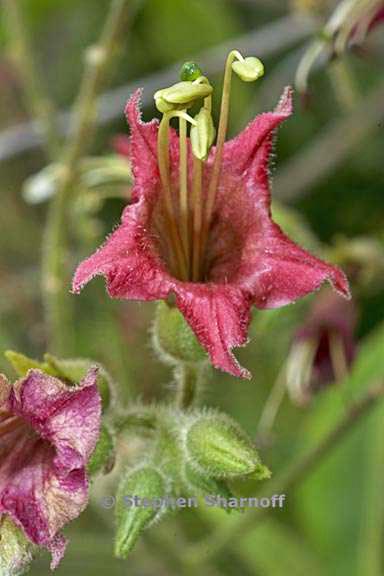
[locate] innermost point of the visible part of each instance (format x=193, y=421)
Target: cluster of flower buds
x=194, y=453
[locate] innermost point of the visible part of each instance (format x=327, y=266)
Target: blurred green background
x=328, y=178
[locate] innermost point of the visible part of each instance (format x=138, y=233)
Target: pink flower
x=47, y=433
x=247, y=258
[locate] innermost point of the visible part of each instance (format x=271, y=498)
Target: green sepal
x=103, y=456
x=173, y=339
x=144, y=482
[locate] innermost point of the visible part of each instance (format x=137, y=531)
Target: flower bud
x=173, y=339
x=249, y=69
x=181, y=95
x=16, y=551
x=135, y=509
x=103, y=457
x=219, y=448
x=202, y=134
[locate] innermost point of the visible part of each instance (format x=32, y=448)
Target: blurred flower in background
x=348, y=26
x=323, y=348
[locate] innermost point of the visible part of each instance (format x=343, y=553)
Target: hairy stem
x=55, y=257
x=294, y=474
x=187, y=379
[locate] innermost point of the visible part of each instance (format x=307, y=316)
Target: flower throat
x=188, y=214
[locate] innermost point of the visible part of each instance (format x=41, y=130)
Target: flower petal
x=239, y=152
x=281, y=272
x=219, y=316
x=128, y=260
x=142, y=146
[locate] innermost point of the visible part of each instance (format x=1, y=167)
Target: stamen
x=221, y=134
x=197, y=217
x=250, y=69
x=197, y=200
x=183, y=188
x=163, y=159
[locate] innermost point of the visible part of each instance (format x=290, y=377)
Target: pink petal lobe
x=220, y=317
x=239, y=152
x=142, y=146
x=129, y=260
x=283, y=272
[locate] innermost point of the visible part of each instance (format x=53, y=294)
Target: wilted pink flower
x=47, y=433
x=247, y=259
x=348, y=25
x=324, y=347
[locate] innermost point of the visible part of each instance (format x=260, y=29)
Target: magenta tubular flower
x=47, y=433
x=246, y=260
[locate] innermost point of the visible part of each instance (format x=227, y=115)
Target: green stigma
x=190, y=71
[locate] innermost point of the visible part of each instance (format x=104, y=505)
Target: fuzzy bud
x=249, y=69
x=173, y=339
x=202, y=134
x=219, y=448
x=135, y=510
x=16, y=551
